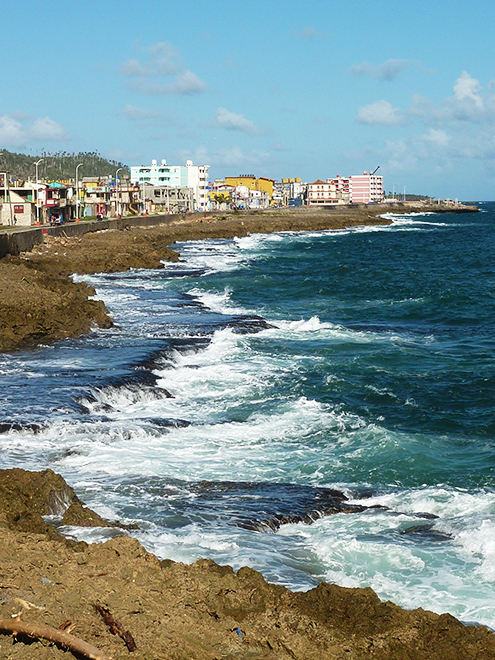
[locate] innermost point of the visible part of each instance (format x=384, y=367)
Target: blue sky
x=277, y=89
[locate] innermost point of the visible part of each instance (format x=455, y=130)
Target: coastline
x=40, y=303
x=172, y=610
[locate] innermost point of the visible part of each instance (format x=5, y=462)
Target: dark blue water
x=246, y=384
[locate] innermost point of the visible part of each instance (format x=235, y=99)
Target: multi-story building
x=356, y=189
x=366, y=188
x=262, y=184
x=190, y=176
x=288, y=190
x=331, y=191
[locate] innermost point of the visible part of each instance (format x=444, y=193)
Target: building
x=248, y=198
x=287, y=191
x=56, y=202
x=356, y=189
x=18, y=204
x=164, y=199
x=35, y=203
x=95, y=196
x=331, y=191
x=220, y=195
x=190, y=176
x=366, y=188
x=262, y=184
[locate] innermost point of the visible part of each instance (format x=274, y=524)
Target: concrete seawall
x=16, y=240
x=19, y=240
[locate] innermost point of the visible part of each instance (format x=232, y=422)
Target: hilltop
x=59, y=166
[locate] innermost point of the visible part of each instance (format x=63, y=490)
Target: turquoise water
x=244, y=383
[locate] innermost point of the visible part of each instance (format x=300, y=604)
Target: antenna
x=375, y=170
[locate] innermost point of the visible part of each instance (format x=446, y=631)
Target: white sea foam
x=410, y=219
x=306, y=328
x=216, y=256
x=357, y=550
x=249, y=420
x=220, y=303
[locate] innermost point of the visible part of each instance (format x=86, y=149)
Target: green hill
x=59, y=166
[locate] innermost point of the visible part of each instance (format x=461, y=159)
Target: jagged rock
x=25, y=497
x=198, y=612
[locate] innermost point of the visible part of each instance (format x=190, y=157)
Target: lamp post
x=117, y=190
x=77, y=193
x=37, y=193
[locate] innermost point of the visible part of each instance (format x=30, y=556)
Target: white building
x=190, y=176
x=331, y=191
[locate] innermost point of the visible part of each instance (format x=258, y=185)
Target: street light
x=117, y=189
x=77, y=192
x=37, y=192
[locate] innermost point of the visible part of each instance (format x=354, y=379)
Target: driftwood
x=116, y=628
x=59, y=637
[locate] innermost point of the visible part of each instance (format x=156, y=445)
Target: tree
x=222, y=198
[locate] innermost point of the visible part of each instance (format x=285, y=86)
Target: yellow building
x=250, y=181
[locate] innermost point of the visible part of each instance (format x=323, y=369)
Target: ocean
x=246, y=389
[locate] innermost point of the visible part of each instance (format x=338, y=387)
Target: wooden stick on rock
x=40, y=631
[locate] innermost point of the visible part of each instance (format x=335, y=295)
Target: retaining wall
x=20, y=240
x=15, y=241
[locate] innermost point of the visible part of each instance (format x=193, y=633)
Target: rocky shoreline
x=115, y=599
x=40, y=303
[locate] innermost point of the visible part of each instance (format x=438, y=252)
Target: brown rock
x=203, y=611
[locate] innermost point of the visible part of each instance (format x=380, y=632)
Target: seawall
x=16, y=240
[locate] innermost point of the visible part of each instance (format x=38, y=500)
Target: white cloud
x=12, y=132
x=468, y=88
x=227, y=157
x=451, y=135
x=187, y=83
x=15, y=132
x=380, y=113
x=134, y=113
x=46, y=129
x=162, y=62
x=132, y=68
x=437, y=138
x=312, y=33
x=234, y=122
x=388, y=70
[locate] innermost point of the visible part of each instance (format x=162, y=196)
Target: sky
x=276, y=89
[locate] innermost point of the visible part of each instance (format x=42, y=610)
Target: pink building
x=366, y=188
x=356, y=189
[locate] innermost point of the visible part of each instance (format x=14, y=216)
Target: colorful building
x=190, y=176
x=262, y=184
x=331, y=191
x=356, y=189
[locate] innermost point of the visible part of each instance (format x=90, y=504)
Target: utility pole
x=77, y=193
x=117, y=190
x=37, y=192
